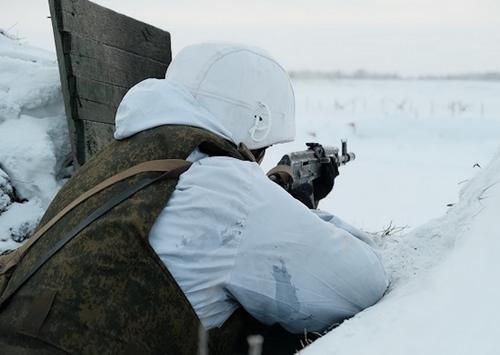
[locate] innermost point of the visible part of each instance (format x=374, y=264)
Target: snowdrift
x=444, y=293
x=33, y=138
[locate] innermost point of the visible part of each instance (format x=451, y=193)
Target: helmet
x=242, y=87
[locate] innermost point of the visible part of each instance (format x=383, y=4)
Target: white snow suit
x=232, y=237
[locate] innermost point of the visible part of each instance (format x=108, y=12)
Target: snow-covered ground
x=418, y=144
x=33, y=137
x=444, y=293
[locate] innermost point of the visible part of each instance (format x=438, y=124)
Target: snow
x=33, y=137
x=408, y=168
x=6, y=191
x=423, y=162
x=443, y=299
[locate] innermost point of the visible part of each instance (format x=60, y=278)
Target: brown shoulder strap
x=10, y=260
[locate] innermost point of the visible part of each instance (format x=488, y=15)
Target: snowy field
x=416, y=143
x=423, y=151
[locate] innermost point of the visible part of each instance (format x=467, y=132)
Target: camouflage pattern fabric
x=106, y=291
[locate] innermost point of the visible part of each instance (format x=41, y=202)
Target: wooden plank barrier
x=101, y=54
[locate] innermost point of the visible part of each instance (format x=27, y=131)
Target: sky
x=399, y=36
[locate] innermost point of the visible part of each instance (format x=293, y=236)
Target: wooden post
x=101, y=54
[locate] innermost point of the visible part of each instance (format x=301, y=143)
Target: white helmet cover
x=243, y=87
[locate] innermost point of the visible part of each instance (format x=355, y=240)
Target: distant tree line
x=488, y=76
x=367, y=75
x=358, y=74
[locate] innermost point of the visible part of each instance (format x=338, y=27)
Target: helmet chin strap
x=262, y=122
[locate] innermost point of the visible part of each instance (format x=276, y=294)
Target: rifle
x=309, y=175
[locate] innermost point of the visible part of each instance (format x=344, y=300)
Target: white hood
x=157, y=102
x=239, y=93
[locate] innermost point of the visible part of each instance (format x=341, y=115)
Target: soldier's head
x=242, y=87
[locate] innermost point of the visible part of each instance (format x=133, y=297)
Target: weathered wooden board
x=98, y=61
x=90, y=111
x=101, y=54
x=108, y=27
x=97, y=91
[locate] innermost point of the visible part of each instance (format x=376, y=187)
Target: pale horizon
x=408, y=38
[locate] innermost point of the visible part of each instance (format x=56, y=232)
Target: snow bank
x=444, y=291
x=33, y=137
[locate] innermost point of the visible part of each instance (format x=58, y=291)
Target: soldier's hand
x=304, y=194
x=323, y=185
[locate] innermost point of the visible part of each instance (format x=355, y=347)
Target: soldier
x=220, y=244
x=229, y=236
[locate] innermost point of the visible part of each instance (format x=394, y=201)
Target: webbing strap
x=111, y=203
x=11, y=260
